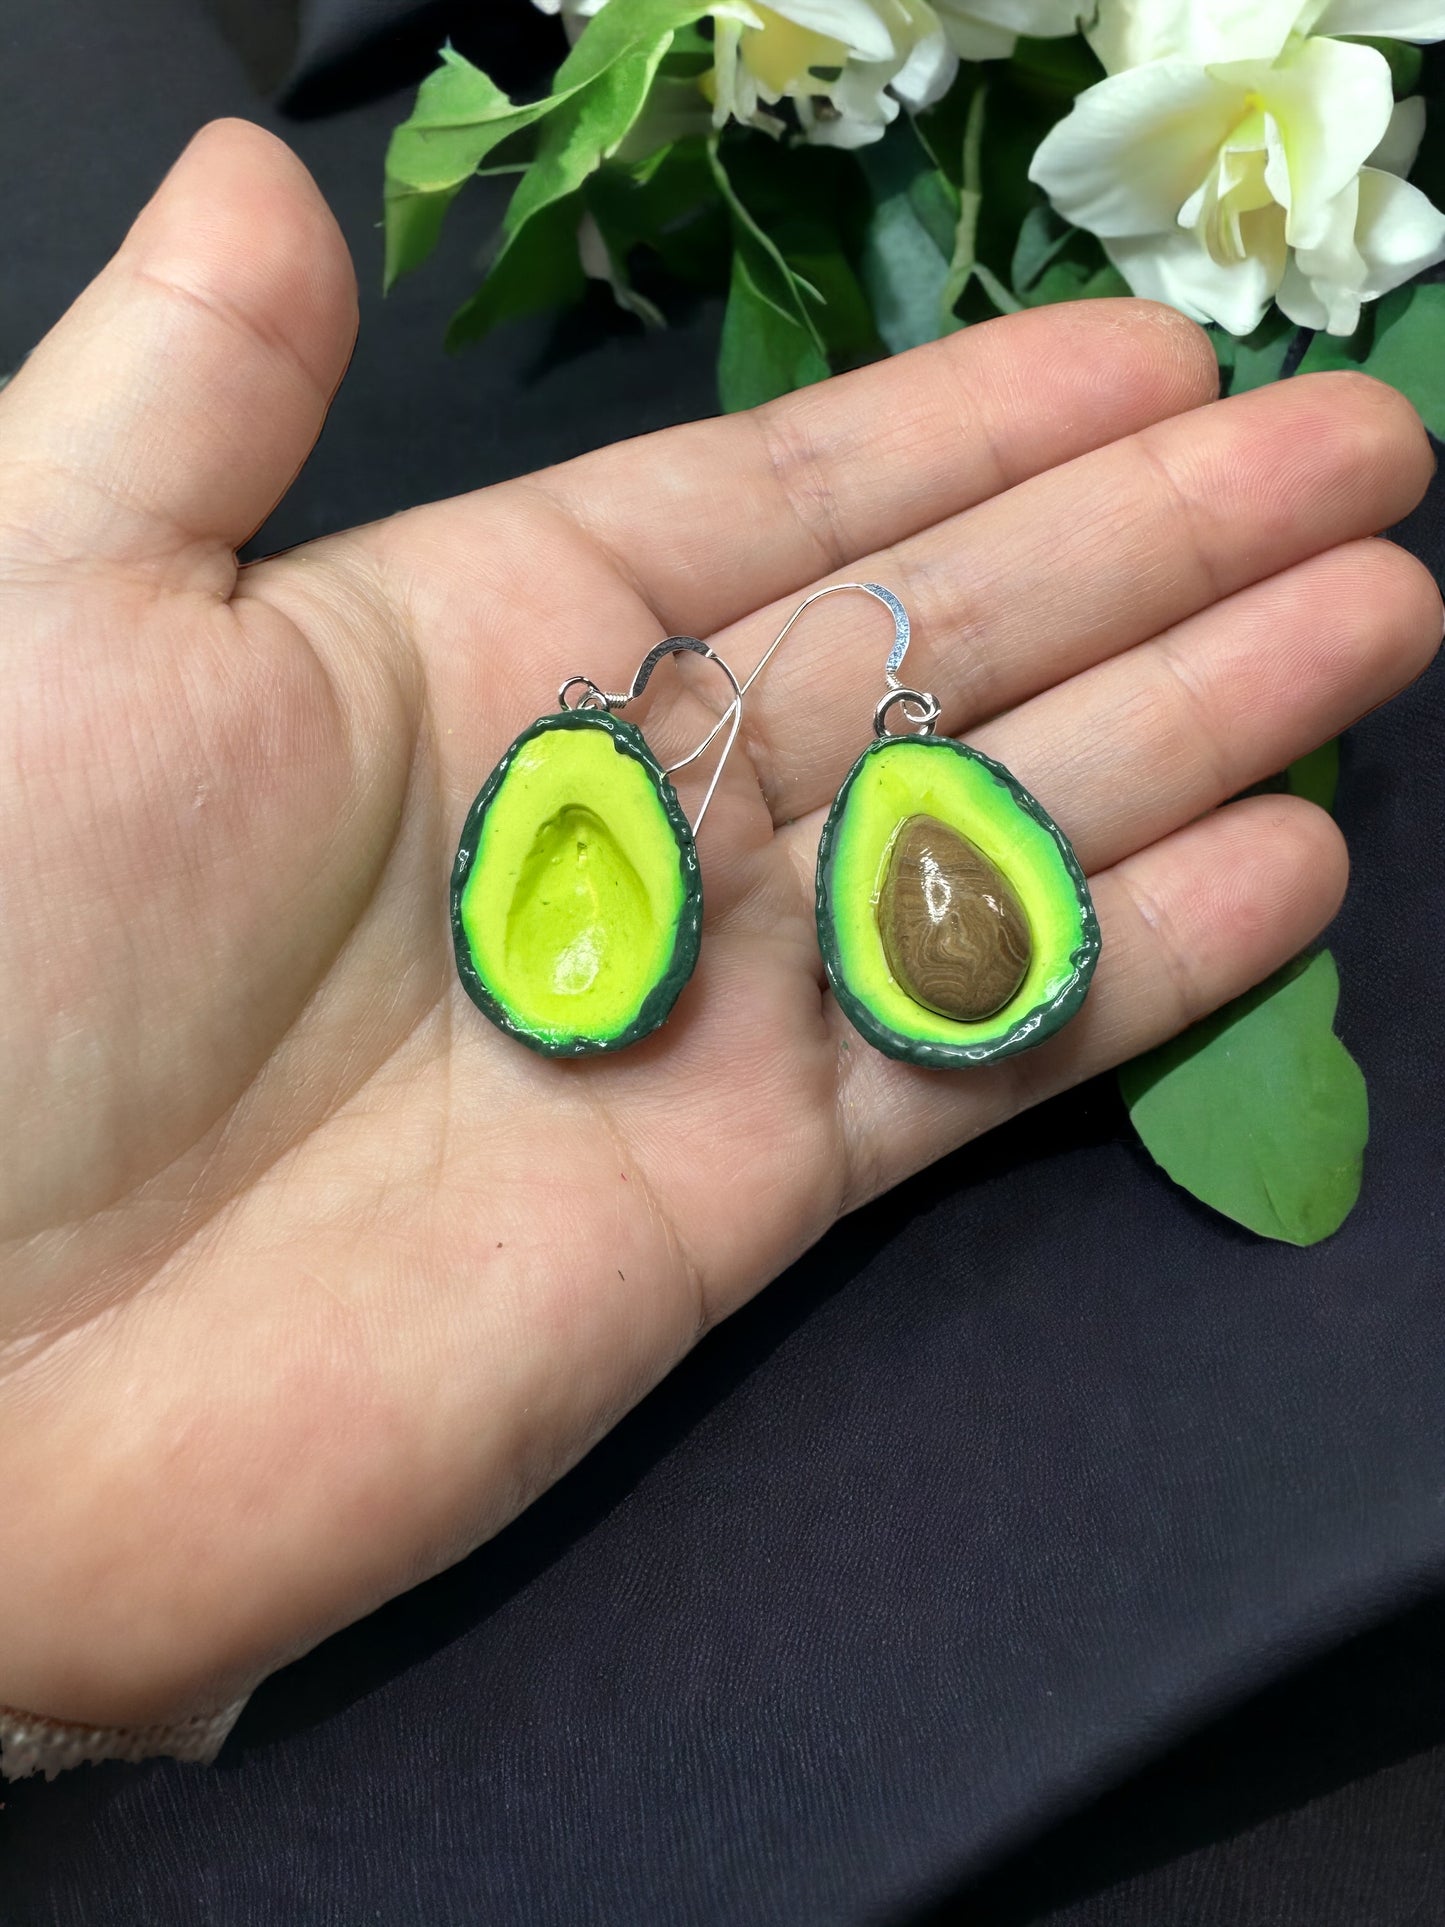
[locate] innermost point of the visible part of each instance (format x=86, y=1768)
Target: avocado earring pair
x=954, y=920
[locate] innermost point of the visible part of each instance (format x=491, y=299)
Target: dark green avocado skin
x=627, y=740
x=1035, y=1025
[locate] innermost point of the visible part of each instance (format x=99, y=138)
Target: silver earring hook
x=902, y=628
x=596, y=698
x=920, y=706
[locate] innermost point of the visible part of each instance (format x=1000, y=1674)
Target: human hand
x=311, y=1278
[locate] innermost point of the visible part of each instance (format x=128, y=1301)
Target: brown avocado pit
x=954, y=934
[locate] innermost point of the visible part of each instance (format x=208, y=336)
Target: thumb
x=165, y=414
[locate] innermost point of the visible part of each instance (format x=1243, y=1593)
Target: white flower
x=988, y=29
x=845, y=64
x=1249, y=157
x=848, y=65
x=1126, y=33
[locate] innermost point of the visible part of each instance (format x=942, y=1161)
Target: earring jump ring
x=919, y=707
x=594, y=699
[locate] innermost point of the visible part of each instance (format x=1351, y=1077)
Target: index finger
x=713, y=520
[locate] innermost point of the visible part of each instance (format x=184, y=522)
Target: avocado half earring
x=576, y=898
x=953, y=916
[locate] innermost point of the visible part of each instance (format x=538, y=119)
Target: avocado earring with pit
x=954, y=919
x=576, y=898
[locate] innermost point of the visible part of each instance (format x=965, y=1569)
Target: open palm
x=312, y=1279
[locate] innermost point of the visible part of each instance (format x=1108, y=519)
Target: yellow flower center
x=780, y=54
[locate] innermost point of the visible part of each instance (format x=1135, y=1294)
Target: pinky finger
x=1187, y=924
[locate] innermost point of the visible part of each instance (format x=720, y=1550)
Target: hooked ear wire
x=902, y=631
x=596, y=698
x=920, y=706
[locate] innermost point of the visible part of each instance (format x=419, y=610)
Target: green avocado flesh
x=895, y=783
x=576, y=900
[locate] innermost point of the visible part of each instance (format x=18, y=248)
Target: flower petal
x=735, y=92
x=1296, y=298
x=1039, y=19
x=854, y=22
x=1396, y=234
x=784, y=56
x=974, y=39
x=857, y=111
x=1331, y=104
x=1399, y=231
x=1334, y=266
x=1127, y=33
x=927, y=74
x=1135, y=146
x=1384, y=19
x=1396, y=152
x=1174, y=268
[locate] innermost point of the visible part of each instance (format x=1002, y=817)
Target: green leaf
x=1026, y=96
x=1043, y=235
x=676, y=111
x=459, y=119
x=807, y=201
x=690, y=54
x=1339, y=351
x=1316, y=776
x=922, y=254
x=603, y=258
x=645, y=203
x=539, y=270
x=1260, y=1111
x=1065, y=282
x=1062, y=67
x=667, y=204
x=1399, y=340
x=573, y=143
x=1408, y=349
x=463, y=124
x=909, y=241
x=964, y=264
x=843, y=316
x=616, y=31
x=764, y=352
x=1053, y=261
x=644, y=172
x=651, y=196
x=1249, y=361
x=770, y=341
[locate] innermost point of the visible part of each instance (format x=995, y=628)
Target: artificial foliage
x=826, y=258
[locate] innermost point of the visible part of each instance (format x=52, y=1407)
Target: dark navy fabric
x=1017, y=1481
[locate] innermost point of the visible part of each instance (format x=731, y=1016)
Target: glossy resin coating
x=576, y=901
x=894, y=783
x=954, y=933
